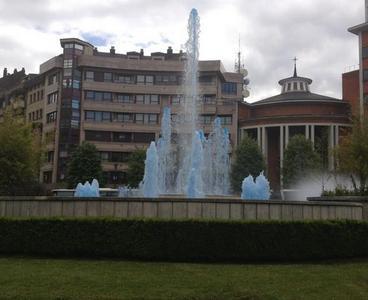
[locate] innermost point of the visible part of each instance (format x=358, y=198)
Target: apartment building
x=115, y=101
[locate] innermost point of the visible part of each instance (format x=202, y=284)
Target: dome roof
x=295, y=88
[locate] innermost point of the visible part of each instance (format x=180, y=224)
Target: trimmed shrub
x=185, y=240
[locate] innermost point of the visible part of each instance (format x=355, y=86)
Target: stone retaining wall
x=234, y=209
x=346, y=199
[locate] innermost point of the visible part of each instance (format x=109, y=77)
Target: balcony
x=118, y=126
x=121, y=107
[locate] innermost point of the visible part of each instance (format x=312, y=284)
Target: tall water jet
x=216, y=161
x=187, y=117
x=194, y=183
x=192, y=164
x=150, y=182
x=166, y=158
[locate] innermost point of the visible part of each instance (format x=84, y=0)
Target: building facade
x=115, y=101
x=355, y=84
x=296, y=110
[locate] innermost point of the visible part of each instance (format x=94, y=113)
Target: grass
x=31, y=278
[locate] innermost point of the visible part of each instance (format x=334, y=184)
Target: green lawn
x=28, y=278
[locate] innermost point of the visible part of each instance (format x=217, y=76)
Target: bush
x=184, y=240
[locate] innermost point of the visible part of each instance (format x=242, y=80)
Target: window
x=145, y=79
x=90, y=76
x=166, y=79
x=123, y=117
x=47, y=177
x=124, y=78
x=301, y=86
x=176, y=99
x=51, y=117
x=98, y=136
x=149, y=80
x=142, y=137
x=76, y=84
x=205, y=79
x=209, y=99
x=139, y=98
x=75, y=104
x=229, y=88
x=154, y=99
x=125, y=98
x=295, y=86
x=107, y=96
x=68, y=63
x=365, y=75
x=68, y=46
x=78, y=47
x=104, y=156
x=52, y=98
x=50, y=156
x=89, y=95
x=106, y=116
x=139, y=118
x=68, y=72
x=147, y=99
x=226, y=120
x=289, y=86
x=140, y=79
x=67, y=83
x=205, y=119
x=107, y=77
x=365, y=52
x=122, y=137
x=98, y=96
x=52, y=79
x=89, y=115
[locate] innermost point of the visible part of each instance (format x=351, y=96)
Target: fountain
x=192, y=165
x=87, y=189
x=255, y=190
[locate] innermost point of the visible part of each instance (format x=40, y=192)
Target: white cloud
x=272, y=33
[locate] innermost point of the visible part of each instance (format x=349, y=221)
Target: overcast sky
x=272, y=32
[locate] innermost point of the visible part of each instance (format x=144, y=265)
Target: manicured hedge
x=184, y=240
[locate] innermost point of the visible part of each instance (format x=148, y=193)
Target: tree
x=20, y=156
x=248, y=160
x=352, y=154
x=300, y=160
x=85, y=165
x=135, y=171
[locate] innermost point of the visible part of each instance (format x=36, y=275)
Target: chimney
x=5, y=72
x=170, y=50
x=15, y=71
x=112, y=50
x=142, y=52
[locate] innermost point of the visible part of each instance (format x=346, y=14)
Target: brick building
x=296, y=110
x=355, y=83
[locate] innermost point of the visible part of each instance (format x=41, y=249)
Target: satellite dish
x=245, y=93
x=244, y=72
x=246, y=81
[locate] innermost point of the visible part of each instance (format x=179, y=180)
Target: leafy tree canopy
x=85, y=165
x=248, y=160
x=20, y=156
x=300, y=160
